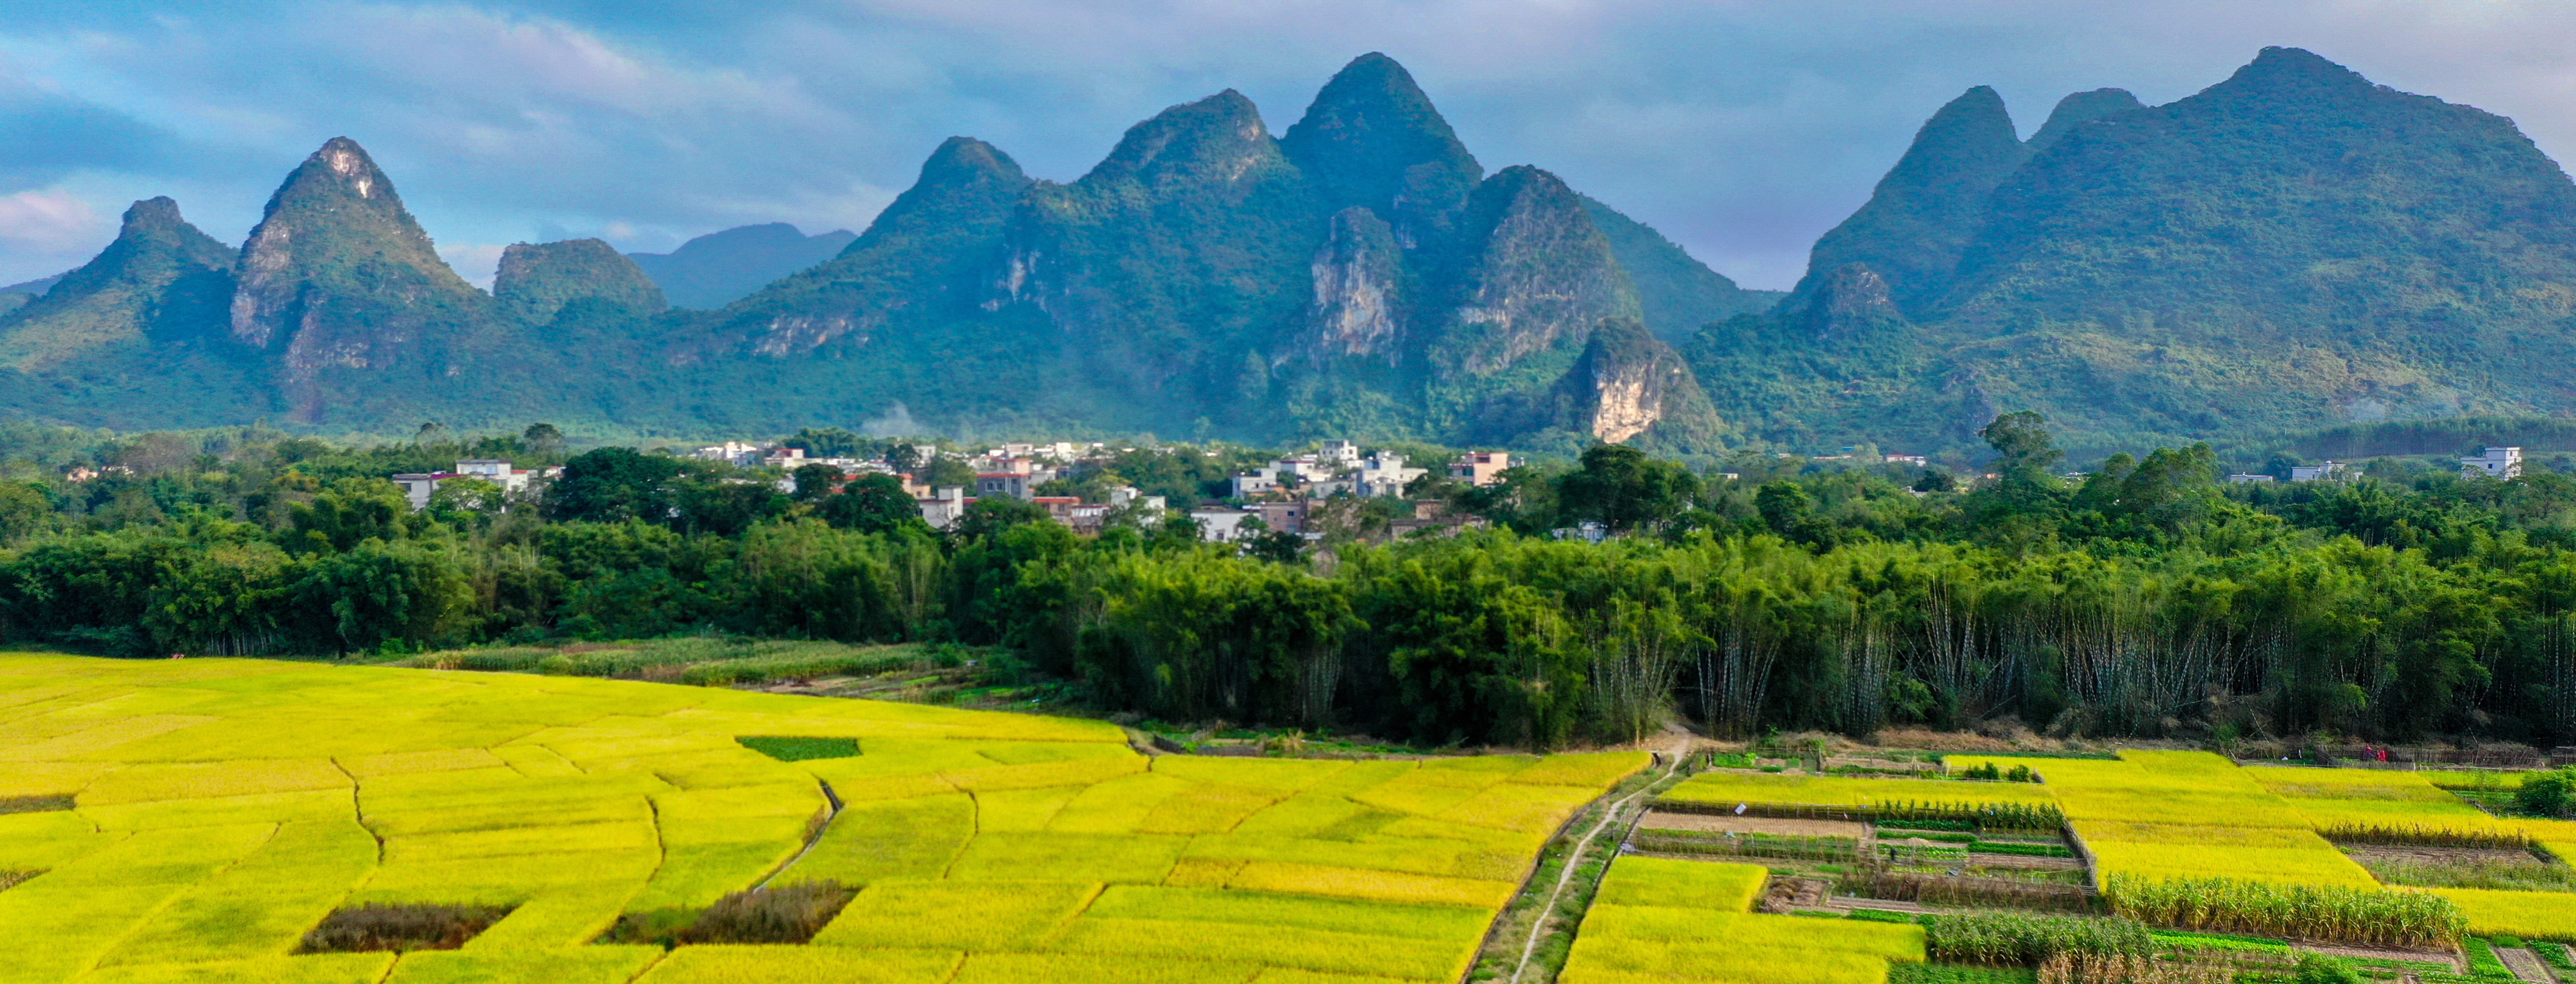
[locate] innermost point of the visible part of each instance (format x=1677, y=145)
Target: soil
x=2443, y=957
x=1791, y=894
x=1658, y=820
x=2525, y=964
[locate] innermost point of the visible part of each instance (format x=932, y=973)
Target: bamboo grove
x=2144, y=598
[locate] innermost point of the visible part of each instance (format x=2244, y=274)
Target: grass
x=206, y=815
x=800, y=749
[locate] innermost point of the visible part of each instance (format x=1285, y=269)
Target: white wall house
x=2494, y=463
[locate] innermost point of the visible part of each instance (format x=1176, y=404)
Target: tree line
x=2144, y=598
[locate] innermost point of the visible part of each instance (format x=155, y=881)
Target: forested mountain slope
x=2294, y=247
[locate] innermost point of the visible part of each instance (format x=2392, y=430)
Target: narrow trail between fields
x=832, y=803
x=1574, y=857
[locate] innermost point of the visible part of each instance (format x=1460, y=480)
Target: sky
x=1741, y=130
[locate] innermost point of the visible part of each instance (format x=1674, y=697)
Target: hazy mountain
x=2082, y=107
x=33, y=287
x=1678, y=293
x=719, y=268
x=1358, y=274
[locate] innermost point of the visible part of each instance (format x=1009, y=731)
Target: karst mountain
x=2294, y=247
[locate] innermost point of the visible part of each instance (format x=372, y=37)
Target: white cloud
x=476, y=262
x=44, y=232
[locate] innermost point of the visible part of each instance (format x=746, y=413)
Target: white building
x=730, y=452
x=2248, y=479
x=943, y=507
x=514, y=482
x=1385, y=474
x=2494, y=463
x=1916, y=460
x=1218, y=524
x=2317, y=472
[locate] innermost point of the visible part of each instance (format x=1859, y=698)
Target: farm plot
x=196, y=819
x=1658, y=920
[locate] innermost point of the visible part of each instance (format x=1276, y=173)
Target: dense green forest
x=2144, y=598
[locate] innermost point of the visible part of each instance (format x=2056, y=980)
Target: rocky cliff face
x=338, y=278
x=1630, y=385
x=1851, y=303
x=1356, y=311
x=161, y=277
x=1537, y=276
x=536, y=280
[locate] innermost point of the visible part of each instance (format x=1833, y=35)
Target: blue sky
x=1742, y=130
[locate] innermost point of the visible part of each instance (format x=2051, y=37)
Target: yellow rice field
x=221, y=808
x=1662, y=920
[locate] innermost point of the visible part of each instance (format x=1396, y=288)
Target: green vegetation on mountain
x=2291, y=249
x=1925, y=210
x=719, y=268
x=2082, y=107
x=161, y=276
x=536, y=281
x=343, y=293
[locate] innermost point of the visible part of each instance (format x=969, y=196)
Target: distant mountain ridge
x=719, y=268
x=2291, y=248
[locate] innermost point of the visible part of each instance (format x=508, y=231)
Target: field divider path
x=1545, y=913
x=832, y=803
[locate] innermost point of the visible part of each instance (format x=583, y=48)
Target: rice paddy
x=200, y=818
x=1659, y=920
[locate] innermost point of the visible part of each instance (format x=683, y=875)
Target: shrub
x=401, y=927
x=2318, y=968
x=785, y=914
x=2547, y=793
x=1997, y=938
